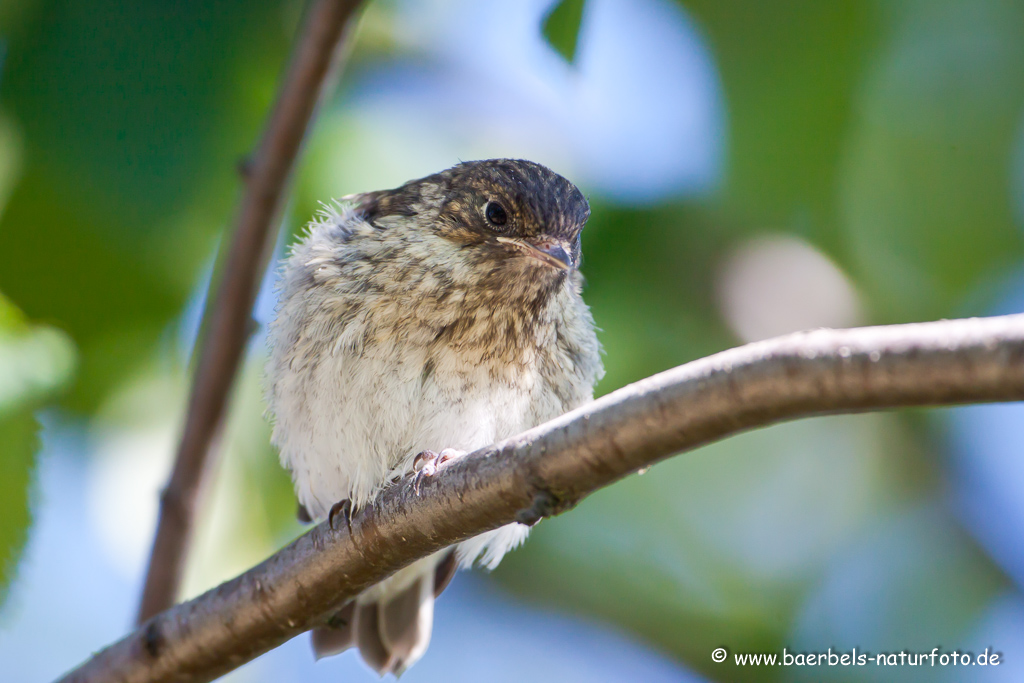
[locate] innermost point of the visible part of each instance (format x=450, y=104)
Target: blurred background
x=754, y=168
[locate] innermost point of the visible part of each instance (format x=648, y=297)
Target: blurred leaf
x=791, y=71
x=133, y=118
x=12, y=13
x=664, y=317
x=561, y=28
x=10, y=153
x=34, y=361
x=18, y=434
x=925, y=190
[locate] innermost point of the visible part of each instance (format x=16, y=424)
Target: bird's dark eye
x=495, y=214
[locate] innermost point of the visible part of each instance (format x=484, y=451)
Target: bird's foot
x=427, y=463
x=343, y=508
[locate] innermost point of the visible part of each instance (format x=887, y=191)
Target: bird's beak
x=551, y=251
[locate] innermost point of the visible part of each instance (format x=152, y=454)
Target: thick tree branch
x=550, y=468
x=267, y=173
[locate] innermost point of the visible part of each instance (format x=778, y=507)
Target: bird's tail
x=392, y=632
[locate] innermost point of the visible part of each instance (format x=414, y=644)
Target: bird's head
x=509, y=218
x=515, y=211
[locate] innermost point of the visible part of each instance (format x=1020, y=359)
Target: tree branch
x=225, y=329
x=550, y=468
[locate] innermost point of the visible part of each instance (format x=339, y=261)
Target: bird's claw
x=344, y=508
x=427, y=463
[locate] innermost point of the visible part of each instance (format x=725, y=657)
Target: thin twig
x=550, y=468
x=267, y=174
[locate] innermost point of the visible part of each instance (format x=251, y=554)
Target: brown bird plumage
x=435, y=318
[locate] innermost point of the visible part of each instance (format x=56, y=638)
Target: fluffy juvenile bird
x=414, y=325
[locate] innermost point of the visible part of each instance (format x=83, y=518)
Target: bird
x=414, y=325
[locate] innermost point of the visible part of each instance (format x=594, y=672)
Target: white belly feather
x=345, y=426
x=355, y=399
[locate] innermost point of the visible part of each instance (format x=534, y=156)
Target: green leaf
x=790, y=73
x=561, y=28
x=18, y=434
x=131, y=119
x=924, y=188
x=34, y=362
x=10, y=151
